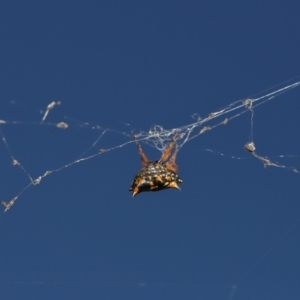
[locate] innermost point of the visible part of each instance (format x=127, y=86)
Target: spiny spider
x=157, y=175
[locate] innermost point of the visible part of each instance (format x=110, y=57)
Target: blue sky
x=232, y=230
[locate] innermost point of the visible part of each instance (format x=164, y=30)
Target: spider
x=157, y=175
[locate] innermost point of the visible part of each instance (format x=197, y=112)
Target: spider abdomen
x=154, y=177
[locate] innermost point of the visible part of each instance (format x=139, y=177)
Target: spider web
x=157, y=136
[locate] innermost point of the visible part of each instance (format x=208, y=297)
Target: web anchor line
x=250, y=147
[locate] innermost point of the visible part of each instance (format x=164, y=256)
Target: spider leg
x=145, y=161
x=166, y=154
x=171, y=165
